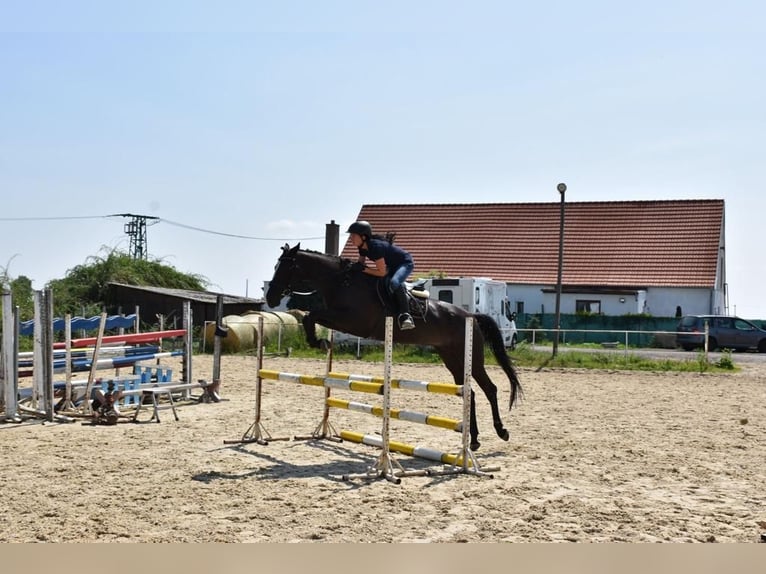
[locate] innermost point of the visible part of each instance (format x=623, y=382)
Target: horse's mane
x=340, y=261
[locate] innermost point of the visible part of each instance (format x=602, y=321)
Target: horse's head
x=302, y=271
x=281, y=283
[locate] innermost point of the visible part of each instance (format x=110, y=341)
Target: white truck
x=476, y=295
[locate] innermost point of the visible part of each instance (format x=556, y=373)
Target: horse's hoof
x=475, y=445
x=503, y=434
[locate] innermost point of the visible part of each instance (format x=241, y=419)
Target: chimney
x=331, y=238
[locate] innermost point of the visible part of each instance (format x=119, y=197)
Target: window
x=587, y=306
x=519, y=307
x=743, y=325
x=445, y=295
x=723, y=323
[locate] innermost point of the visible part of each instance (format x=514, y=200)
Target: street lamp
x=562, y=187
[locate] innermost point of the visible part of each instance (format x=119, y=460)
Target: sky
x=244, y=125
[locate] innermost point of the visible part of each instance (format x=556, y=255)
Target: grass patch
x=526, y=356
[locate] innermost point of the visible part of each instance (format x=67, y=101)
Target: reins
x=294, y=266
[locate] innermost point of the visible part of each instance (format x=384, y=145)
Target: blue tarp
x=81, y=323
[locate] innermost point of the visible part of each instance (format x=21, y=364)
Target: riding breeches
x=398, y=277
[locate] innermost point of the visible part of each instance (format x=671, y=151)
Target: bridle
x=288, y=290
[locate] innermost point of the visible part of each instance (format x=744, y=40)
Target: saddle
x=417, y=298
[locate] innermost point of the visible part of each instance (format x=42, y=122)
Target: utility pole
x=562, y=187
x=136, y=230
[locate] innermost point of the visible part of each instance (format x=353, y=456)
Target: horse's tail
x=494, y=337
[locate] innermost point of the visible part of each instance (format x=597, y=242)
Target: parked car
x=723, y=333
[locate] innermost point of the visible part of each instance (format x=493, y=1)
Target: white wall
x=531, y=295
x=662, y=301
x=656, y=301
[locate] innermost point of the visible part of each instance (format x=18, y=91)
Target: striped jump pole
x=256, y=432
x=386, y=465
x=147, y=337
x=361, y=383
x=402, y=415
x=464, y=462
x=325, y=429
x=406, y=384
x=403, y=448
x=80, y=364
x=328, y=381
x=84, y=354
x=469, y=463
x=372, y=385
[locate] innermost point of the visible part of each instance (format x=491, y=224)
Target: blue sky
x=270, y=119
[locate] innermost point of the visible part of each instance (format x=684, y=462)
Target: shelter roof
x=191, y=295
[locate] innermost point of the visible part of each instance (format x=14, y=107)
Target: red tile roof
x=616, y=243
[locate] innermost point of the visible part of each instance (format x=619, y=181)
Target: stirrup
x=406, y=322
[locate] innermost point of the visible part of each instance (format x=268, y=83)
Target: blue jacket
x=393, y=255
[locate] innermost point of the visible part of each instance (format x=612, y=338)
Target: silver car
x=723, y=333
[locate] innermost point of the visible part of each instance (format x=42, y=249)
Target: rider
x=390, y=261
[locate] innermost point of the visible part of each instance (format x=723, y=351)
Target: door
x=745, y=333
x=722, y=329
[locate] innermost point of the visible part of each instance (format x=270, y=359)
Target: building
x=155, y=301
x=619, y=257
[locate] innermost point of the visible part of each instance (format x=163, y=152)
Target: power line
x=237, y=235
x=57, y=218
x=162, y=220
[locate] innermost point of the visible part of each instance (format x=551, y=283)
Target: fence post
x=9, y=357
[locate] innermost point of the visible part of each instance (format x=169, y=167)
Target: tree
x=84, y=288
x=21, y=292
x=23, y=296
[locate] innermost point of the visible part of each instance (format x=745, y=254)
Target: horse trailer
x=476, y=295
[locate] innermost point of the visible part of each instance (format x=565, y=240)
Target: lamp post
x=562, y=187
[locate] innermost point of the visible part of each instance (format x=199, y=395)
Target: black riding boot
x=405, y=319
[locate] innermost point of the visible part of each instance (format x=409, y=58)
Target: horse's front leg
x=309, y=326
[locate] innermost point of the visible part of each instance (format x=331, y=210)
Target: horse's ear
x=295, y=249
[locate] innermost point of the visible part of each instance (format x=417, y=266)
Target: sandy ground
x=593, y=456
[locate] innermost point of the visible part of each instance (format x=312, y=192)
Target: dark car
x=723, y=333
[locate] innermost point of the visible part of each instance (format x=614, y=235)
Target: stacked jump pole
x=385, y=466
x=48, y=358
x=256, y=432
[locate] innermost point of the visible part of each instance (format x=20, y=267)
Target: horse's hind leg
x=474, y=427
x=490, y=390
x=475, y=444
x=456, y=369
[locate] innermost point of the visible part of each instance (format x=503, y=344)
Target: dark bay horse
x=352, y=305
